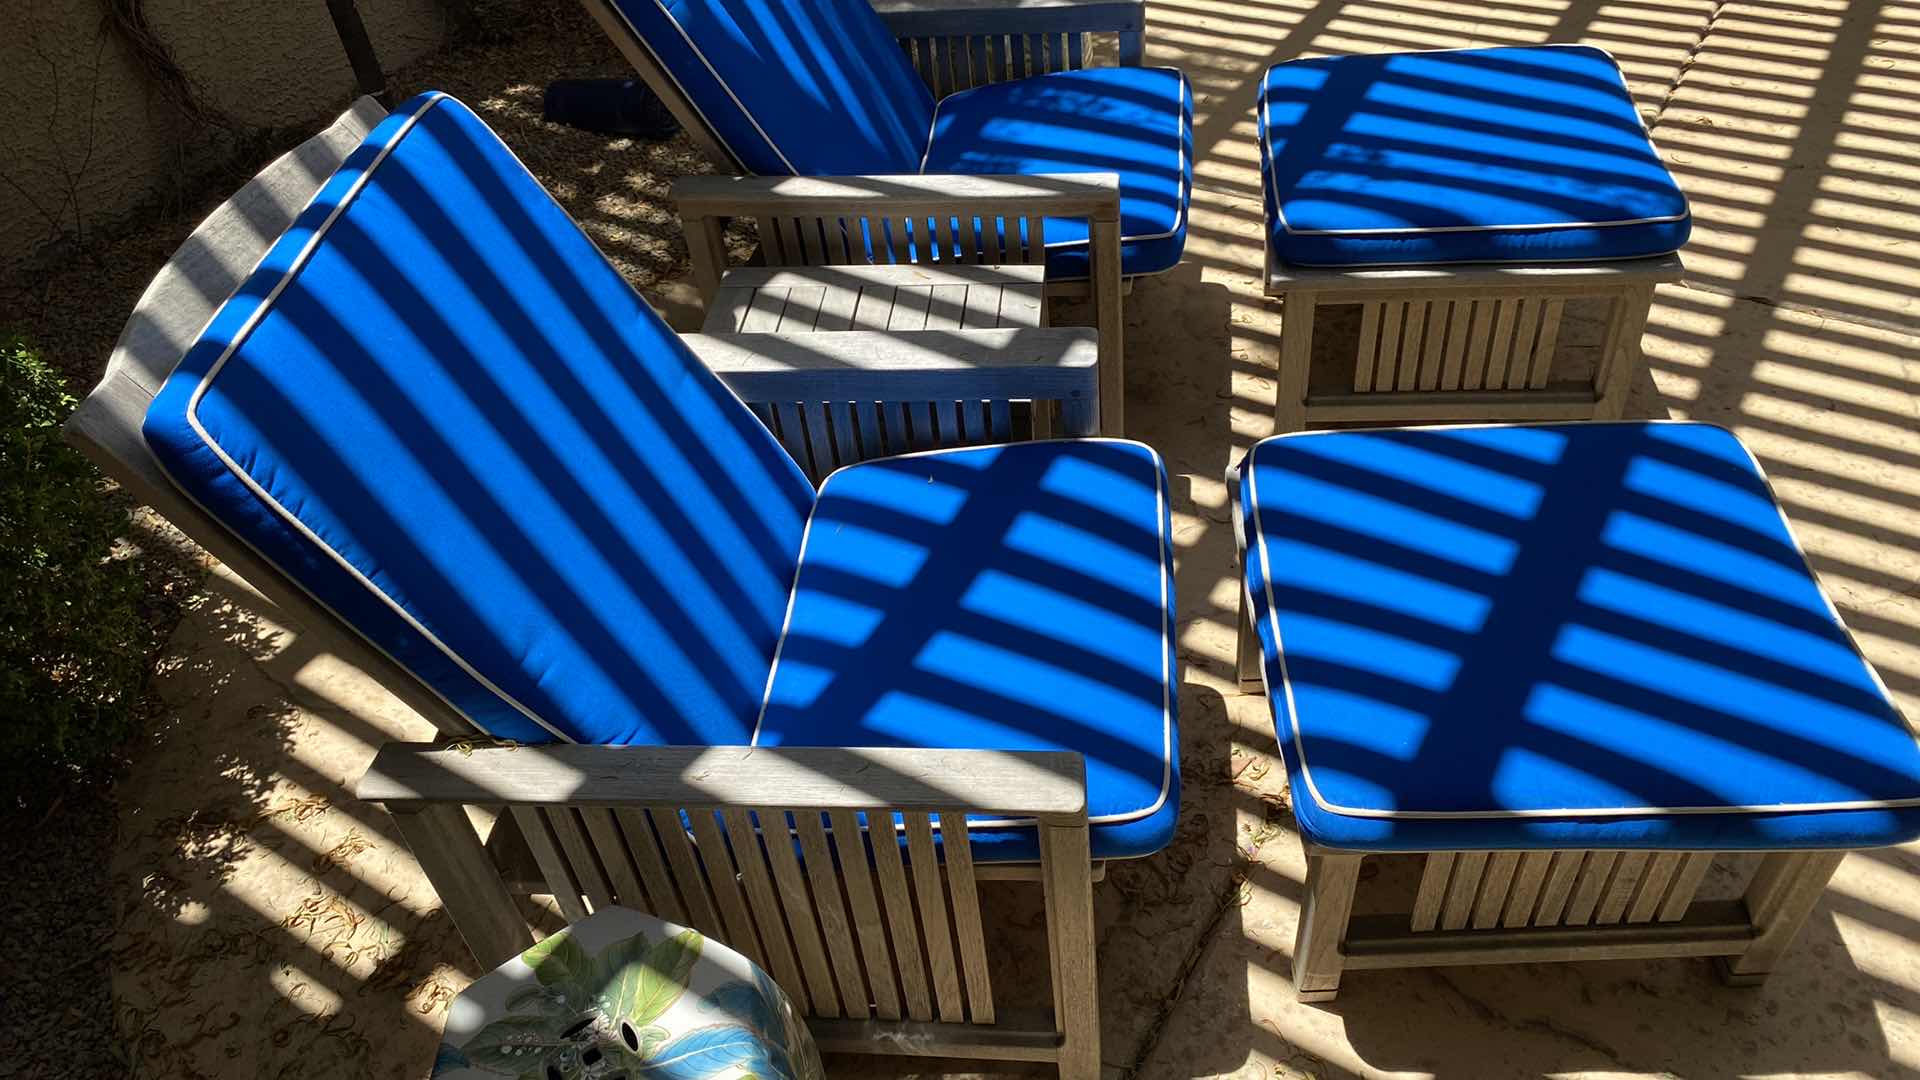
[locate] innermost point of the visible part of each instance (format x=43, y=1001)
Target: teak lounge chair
x=821, y=105
x=394, y=386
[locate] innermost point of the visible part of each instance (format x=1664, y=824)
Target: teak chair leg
x=1248, y=659
x=1317, y=959
x=1779, y=900
x=1067, y=859
x=1296, y=360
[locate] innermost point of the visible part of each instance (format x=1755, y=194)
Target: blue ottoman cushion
x=1589, y=635
x=1515, y=154
x=1137, y=122
x=1013, y=597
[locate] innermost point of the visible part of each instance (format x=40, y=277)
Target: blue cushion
x=1016, y=597
x=437, y=408
x=814, y=89
x=1587, y=635
x=1476, y=155
x=1137, y=122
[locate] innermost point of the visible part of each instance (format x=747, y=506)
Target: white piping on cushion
x=1180, y=162
x=1293, y=712
x=1279, y=206
x=1166, y=635
x=246, y=329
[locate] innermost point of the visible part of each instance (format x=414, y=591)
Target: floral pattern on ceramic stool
x=625, y=996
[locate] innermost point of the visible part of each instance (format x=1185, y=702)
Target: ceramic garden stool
x=1447, y=225
x=622, y=996
x=1567, y=665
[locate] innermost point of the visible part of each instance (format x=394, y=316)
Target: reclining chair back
x=441, y=414
x=813, y=89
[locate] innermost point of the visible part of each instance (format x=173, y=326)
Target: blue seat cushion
x=1012, y=597
x=1519, y=154
x=1137, y=122
x=436, y=408
x=1586, y=635
x=814, y=89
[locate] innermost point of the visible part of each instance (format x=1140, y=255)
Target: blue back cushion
x=792, y=87
x=437, y=408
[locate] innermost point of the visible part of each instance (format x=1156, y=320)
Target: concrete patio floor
x=272, y=927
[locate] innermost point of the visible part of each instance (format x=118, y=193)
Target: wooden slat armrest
x=953, y=18
x=1045, y=784
x=1095, y=196
x=1055, y=364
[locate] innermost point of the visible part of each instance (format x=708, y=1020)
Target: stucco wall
x=85, y=134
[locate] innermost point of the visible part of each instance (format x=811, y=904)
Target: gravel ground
x=58, y=910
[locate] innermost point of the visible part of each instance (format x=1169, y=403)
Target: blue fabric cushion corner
x=1137, y=122
x=1592, y=635
x=1510, y=154
x=1014, y=597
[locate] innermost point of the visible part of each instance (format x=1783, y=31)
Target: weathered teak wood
x=1547, y=906
x=819, y=925
x=953, y=228
x=1440, y=343
x=959, y=44
x=833, y=399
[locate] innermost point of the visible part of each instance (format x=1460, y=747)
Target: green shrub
x=73, y=641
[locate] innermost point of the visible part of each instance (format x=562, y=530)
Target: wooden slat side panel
x=612, y=849
x=1686, y=881
x=1549, y=338
x=553, y=865
x=1459, y=328
x=1653, y=886
x=901, y=921
x=1433, y=889
x=1500, y=349
x=1558, y=888
x=1462, y=890
x=573, y=844
x=1588, y=887
x=1364, y=357
x=1412, y=339
x=1525, y=891
x=724, y=879
x=1494, y=882
x=1475, y=373
x=1386, y=366
x=1627, y=872
x=777, y=840
x=687, y=871
x=644, y=849
x=936, y=930
x=857, y=874
x=1525, y=337
x=767, y=917
x=1435, y=343
x=968, y=932
x=835, y=925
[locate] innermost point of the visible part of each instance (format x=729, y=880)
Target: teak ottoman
x=1569, y=664
x=1469, y=204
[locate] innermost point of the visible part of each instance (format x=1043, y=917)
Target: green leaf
x=662, y=978
x=558, y=958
